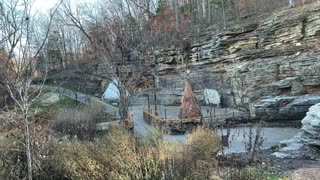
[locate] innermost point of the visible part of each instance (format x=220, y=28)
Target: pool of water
x=240, y=137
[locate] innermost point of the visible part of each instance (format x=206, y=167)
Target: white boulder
x=212, y=96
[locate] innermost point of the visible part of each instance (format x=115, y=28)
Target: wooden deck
x=162, y=124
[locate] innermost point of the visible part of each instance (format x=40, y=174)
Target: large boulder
x=284, y=107
x=311, y=126
x=212, y=96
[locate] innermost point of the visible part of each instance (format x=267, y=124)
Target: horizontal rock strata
x=247, y=65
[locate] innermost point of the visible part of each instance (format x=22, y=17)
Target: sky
x=43, y=5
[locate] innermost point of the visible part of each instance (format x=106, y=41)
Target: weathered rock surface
x=306, y=174
x=311, y=126
x=284, y=107
x=278, y=57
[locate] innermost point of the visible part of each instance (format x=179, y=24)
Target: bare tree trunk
x=76, y=97
x=123, y=109
x=223, y=14
x=177, y=15
x=123, y=104
x=28, y=149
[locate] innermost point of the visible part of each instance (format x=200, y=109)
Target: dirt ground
x=308, y=157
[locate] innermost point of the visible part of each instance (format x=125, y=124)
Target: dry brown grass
x=12, y=147
x=79, y=122
x=119, y=155
x=203, y=143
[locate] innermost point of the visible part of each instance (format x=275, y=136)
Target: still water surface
x=239, y=137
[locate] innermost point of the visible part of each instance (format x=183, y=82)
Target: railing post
x=165, y=113
x=151, y=121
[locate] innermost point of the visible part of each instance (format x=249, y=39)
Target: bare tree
x=115, y=39
x=23, y=43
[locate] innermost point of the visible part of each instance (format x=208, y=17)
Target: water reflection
x=239, y=138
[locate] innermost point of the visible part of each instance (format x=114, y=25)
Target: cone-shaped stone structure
x=189, y=106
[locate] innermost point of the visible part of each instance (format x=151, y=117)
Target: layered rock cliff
x=266, y=67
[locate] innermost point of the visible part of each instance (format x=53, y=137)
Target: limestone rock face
x=267, y=64
x=311, y=126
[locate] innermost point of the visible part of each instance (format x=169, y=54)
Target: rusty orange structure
x=189, y=105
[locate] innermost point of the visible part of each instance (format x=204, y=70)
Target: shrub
x=12, y=154
x=13, y=160
x=79, y=122
x=113, y=157
x=75, y=123
x=120, y=155
x=203, y=143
